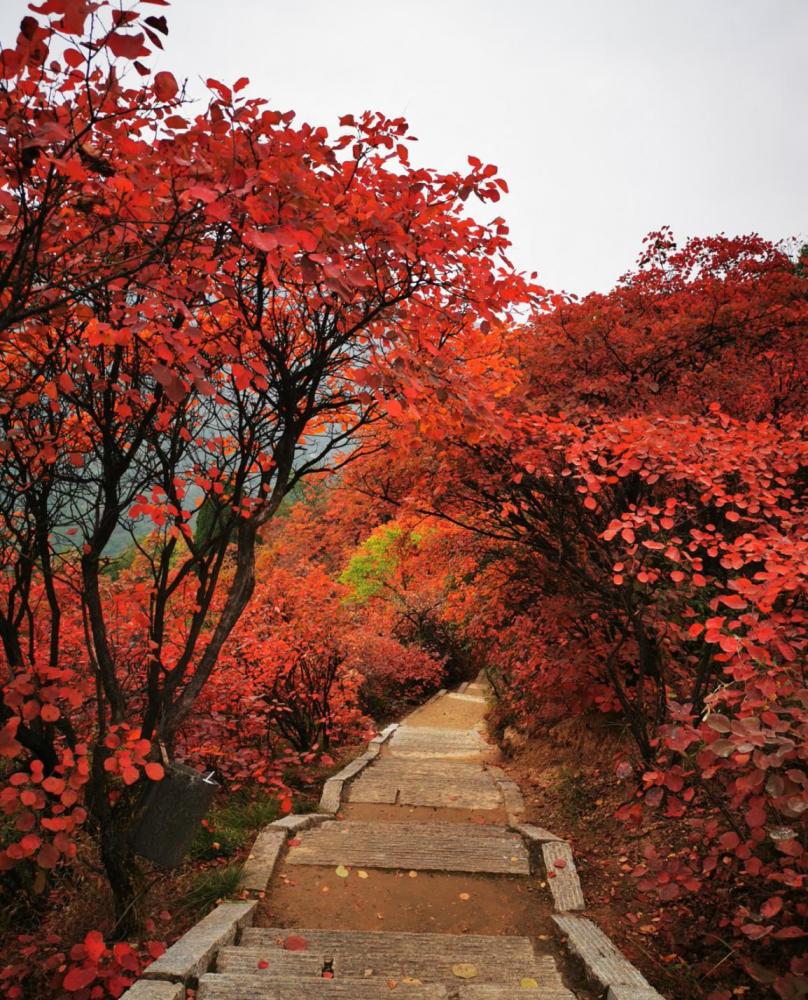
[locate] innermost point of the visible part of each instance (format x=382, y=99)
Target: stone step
x=429, y=957
x=448, y=847
x=261, y=987
x=214, y=986
x=423, y=741
x=274, y=961
x=441, y=784
x=513, y=993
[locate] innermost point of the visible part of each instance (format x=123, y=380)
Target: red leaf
x=165, y=86
x=295, y=943
x=126, y=46
x=78, y=978
x=94, y=946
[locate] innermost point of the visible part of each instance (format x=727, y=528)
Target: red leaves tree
x=205, y=307
x=638, y=507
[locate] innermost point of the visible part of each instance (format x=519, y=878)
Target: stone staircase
x=426, y=797
x=367, y=966
x=428, y=763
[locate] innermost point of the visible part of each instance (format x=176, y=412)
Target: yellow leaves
x=342, y=871
x=528, y=983
x=464, y=970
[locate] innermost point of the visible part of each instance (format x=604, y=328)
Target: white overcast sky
x=608, y=118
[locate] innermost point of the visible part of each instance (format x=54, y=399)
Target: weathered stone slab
x=440, y=784
x=153, y=989
x=263, y=858
x=420, y=846
x=535, y=834
x=429, y=957
x=295, y=822
x=273, y=961
x=384, y=735
x=604, y=964
x=633, y=993
x=513, y=800
x=252, y=987
x=355, y=767
x=436, y=744
x=563, y=881
x=193, y=954
x=541, y=992
x=331, y=795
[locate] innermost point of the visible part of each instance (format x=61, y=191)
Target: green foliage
x=211, y=886
x=374, y=562
x=232, y=826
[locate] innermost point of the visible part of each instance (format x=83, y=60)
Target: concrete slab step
x=449, y=847
x=429, y=957
x=261, y=987
x=513, y=993
x=441, y=784
x=423, y=741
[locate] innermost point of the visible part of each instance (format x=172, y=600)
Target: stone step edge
x=331, y=797
x=269, y=847
x=604, y=964
x=194, y=953
x=240, y=985
x=244, y=960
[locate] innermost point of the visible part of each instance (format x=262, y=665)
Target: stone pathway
x=435, y=764
x=418, y=879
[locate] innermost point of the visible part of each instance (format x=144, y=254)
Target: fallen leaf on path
x=464, y=970
x=295, y=943
x=528, y=984
x=363, y=874
x=342, y=871
x=464, y=896
x=413, y=874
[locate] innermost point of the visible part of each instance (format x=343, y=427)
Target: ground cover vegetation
x=288, y=444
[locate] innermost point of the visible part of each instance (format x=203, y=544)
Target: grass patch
x=231, y=827
x=211, y=886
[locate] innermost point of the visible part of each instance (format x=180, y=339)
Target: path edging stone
x=331, y=797
x=193, y=954
x=154, y=989
x=565, y=885
x=604, y=963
